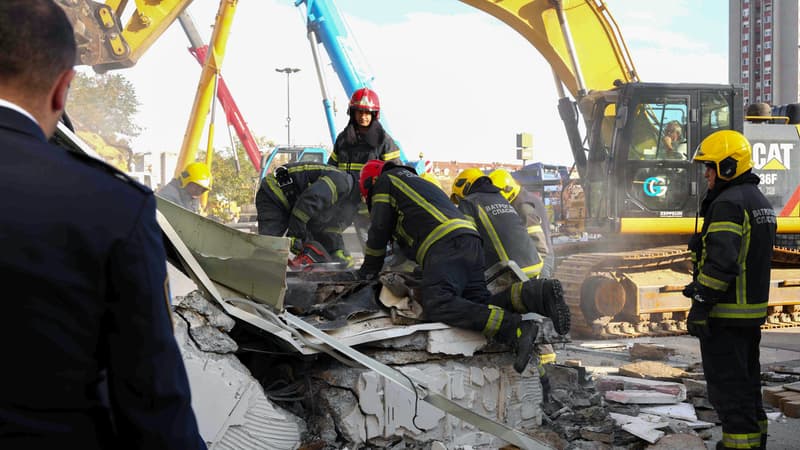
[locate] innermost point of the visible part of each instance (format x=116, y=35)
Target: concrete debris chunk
x=682, y=411
x=653, y=370
x=695, y=388
x=641, y=397
x=233, y=410
x=651, y=352
x=640, y=428
x=612, y=382
x=679, y=442
x=212, y=313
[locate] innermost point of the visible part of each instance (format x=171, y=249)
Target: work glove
x=295, y=245
x=697, y=322
x=689, y=290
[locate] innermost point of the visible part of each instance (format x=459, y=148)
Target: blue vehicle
x=279, y=156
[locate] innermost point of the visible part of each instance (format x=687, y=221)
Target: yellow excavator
x=640, y=196
x=636, y=192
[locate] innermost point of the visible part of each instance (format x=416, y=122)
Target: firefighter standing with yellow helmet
x=730, y=287
x=186, y=189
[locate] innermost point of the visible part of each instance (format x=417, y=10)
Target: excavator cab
x=641, y=139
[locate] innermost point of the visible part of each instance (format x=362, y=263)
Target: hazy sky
x=455, y=83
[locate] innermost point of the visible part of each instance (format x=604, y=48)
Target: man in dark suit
x=90, y=358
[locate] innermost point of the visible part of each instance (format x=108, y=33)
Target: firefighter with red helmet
x=363, y=139
x=431, y=231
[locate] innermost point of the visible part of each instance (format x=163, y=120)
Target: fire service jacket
x=308, y=194
x=411, y=211
x=501, y=228
x=353, y=149
x=732, y=253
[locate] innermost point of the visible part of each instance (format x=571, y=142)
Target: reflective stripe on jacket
x=351, y=156
x=411, y=211
x=501, y=228
x=733, y=251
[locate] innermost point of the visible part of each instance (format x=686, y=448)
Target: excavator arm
x=105, y=43
x=578, y=38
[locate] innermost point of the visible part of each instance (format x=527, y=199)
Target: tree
x=104, y=104
x=102, y=108
x=230, y=189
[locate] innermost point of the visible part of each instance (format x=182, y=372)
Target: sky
x=454, y=82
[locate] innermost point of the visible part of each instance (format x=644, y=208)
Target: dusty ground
x=777, y=347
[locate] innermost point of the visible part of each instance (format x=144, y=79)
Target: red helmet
x=371, y=170
x=365, y=99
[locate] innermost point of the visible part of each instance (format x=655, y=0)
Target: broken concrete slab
x=233, y=410
x=695, y=388
x=641, y=397
x=792, y=386
x=640, y=428
x=679, y=442
x=653, y=370
x=610, y=382
x=455, y=341
x=682, y=411
x=484, y=383
x=651, y=352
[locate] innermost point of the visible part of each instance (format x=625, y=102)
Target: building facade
x=763, y=50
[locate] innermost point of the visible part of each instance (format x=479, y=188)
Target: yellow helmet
x=463, y=182
x=427, y=176
x=728, y=150
x=506, y=183
x=197, y=173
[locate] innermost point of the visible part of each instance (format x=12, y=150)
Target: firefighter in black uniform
x=434, y=234
x=92, y=361
x=305, y=201
x=362, y=140
x=532, y=210
x=504, y=239
x=730, y=287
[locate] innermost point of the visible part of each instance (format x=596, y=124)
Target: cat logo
x=772, y=156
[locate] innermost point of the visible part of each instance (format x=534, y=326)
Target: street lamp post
x=288, y=71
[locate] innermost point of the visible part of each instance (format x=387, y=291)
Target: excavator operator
x=362, y=139
x=305, y=200
x=732, y=257
x=432, y=232
x=186, y=189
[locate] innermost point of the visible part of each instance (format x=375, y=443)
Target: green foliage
x=104, y=104
x=231, y=190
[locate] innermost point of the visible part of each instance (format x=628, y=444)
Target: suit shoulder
x=103, y=167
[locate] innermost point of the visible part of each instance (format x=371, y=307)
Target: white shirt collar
x=19, y=109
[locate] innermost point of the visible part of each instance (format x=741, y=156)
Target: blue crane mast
x=325, y=26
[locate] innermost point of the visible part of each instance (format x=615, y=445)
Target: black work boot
x=524, y=344
x=555, y=307
x=546, y=297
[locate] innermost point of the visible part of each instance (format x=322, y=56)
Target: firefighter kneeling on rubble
x=506, y=239
x=730, y=287
x=436, y=235
x=304, y=200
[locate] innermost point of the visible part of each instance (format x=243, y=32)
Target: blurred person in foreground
x=92, y=362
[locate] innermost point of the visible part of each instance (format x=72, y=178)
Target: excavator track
x=597, y=294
